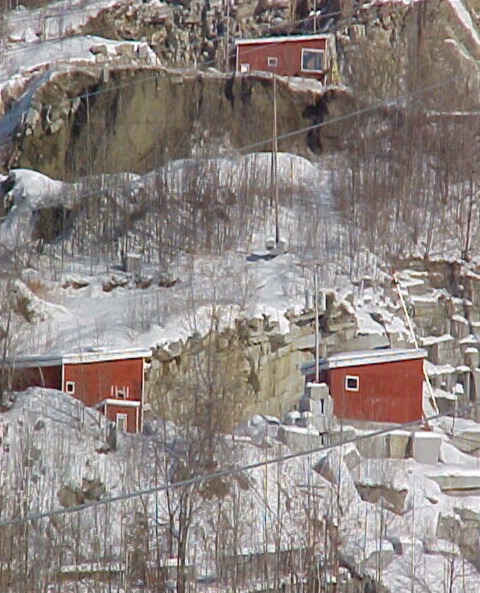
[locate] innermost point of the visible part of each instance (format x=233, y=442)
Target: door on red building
x=121, y=421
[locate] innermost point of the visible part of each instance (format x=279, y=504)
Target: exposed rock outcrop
x=84, y=121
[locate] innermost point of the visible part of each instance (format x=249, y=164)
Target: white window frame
x=272, y=62
x=70, y=387
x=245, y=68
x=121, y=419
x=313, y=51
x=122, y=392
x=355, y=378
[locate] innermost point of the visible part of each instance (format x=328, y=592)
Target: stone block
x=472, y=357
x=441, y=349
x=32, y=117
x=297, y=438
x=366, y=342
x=375, y=447
x=333, y=468
x=318, y=391
x=418, y=287
x=446, y=402
x=459, y=327
x=292, y=417
x=56, y=126
x=458, y=480
x=397, y=442
x=125, y=49
x=99, y=49
x=467, y=441
x=426, y=447
x=143, y=51
x=305, y=420
x=429, y=314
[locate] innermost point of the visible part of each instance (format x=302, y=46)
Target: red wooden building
x=376, y=385
x=111, y=381
x=311, y=56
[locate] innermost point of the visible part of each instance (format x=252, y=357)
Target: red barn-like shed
x=311, y=56
x=376, y=385
x=111, y=381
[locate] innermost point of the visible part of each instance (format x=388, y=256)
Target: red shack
x=376, y=385
x=310, y=56
x=111, y=381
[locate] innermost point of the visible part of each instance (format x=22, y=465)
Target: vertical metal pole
x=314, y=16
x=227, y=35
x=89, y=158
x=317, y=345
x=275, y=148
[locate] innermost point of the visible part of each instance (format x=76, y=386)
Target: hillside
x=136, y=202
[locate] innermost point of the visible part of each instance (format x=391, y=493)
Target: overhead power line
x=224, y=472
x=399, y=100
x=187, y=69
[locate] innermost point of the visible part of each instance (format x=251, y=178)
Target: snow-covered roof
x=365, y=357
x=83, y=357
x=280, y=39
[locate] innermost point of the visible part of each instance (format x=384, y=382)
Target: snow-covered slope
x=87, y=302
x=56, y=453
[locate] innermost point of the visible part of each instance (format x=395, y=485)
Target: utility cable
x=268, y=141
x=192, y=68
x=224, y=472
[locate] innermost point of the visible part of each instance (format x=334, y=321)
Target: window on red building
x=312, y=60
x=352, y=383
x=121, y=392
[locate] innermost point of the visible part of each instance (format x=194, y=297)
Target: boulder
x=334, y=469
x=298, y=438
x=114, y=281
x=99, y=49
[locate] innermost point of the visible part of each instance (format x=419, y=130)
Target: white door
x=121, y=421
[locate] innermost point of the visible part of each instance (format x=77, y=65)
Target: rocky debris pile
x=126, y=54
x=388, y=495
x=71, y=495
x=443, y=303
x=114, y=281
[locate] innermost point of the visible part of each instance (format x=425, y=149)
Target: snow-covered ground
x=52, y=22
x=55, y=450
x=410, y=533
x=61, y=52
x=238, y=282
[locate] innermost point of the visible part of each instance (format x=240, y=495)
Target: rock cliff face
x=236, y=372
x=82, y=122
x=249, y=369
x=429, y=49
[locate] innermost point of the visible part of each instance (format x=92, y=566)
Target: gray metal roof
x=365, y=357
x=81, y=357
x=281, y=39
